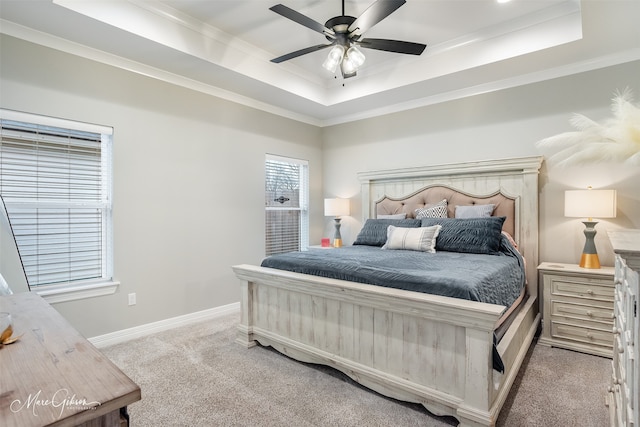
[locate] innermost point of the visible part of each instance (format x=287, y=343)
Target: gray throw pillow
x=468, y=235
x=374, y=231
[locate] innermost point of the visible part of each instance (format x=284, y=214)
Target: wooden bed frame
x=428, y=349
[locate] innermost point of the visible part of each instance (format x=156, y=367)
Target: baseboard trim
x=124, y=335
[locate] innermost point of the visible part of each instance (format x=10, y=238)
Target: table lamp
x=336, y=208
x=590, y=204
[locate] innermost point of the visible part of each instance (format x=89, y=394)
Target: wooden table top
x=52, y=375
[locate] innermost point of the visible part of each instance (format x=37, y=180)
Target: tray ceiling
x=224, y=47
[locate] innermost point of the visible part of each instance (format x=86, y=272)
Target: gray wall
x=501, y=124
x=188, y=169
x=188, y=180
x=11, y=270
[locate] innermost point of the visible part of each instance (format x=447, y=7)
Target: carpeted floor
x=198, y=376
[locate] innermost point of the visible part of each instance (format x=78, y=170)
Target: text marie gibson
x=61, y=399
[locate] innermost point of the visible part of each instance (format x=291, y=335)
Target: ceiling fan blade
x=397, y=46
x=302, y=19
x=374, y=14
x=300, y=52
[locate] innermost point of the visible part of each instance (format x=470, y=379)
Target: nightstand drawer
x=564, y=309
x=585, y=335
x=590, y=289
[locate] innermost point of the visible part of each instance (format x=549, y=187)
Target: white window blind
x=55, y=180
x=286, y=205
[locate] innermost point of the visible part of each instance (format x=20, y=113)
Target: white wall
x=188, y=180
x=495, y=125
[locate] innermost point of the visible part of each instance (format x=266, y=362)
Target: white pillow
x=394, y=216
x=413, y=239
x=437, y=210
x=474, y=211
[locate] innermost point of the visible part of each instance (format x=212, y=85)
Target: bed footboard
x=427, y=349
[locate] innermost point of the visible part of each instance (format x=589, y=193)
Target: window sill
x=63, y=293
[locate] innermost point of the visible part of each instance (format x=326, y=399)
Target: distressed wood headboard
x=511, y=184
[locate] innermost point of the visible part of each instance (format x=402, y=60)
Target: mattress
x=494, y=279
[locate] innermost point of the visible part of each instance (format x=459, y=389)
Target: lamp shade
x=333, y=59
x=590, y=203
x=336, y=207
x=355, y=56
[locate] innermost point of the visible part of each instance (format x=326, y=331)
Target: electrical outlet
x=132, y=299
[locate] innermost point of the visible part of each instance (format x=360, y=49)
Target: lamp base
x=589, y=261
x=589, y=258
x=337, y=238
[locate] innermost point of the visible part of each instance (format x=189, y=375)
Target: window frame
x=87, y=288
x=303, y=195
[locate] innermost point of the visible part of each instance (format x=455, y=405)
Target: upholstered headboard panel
x=504, y=205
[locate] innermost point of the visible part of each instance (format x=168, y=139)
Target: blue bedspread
x=495, y=279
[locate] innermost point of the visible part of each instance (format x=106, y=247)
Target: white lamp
x=590, y=204
x=336, y=208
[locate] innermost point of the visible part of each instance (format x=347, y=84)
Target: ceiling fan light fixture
x=334, y=58
x=355, y=56
x=344, y=32
x=347, y=69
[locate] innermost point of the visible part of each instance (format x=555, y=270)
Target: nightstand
x=577, y=308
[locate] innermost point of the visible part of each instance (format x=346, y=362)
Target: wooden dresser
x=54, y=376
x=624, y=393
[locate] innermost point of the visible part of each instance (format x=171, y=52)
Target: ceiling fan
x=345, y=32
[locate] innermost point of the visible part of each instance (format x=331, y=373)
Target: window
x=55, y=178
x=286, y=205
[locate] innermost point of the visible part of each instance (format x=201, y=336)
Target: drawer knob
x=589, y=313
x=589, y=291
x=618, y=281
x=616, y=331
x=620, y=350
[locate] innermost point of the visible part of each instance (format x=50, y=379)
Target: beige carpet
x=198, y=376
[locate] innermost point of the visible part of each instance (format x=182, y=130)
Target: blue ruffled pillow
x=468, y=235
x=374, y=231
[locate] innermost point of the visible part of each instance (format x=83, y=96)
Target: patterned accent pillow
x=413, y=239
x=470, y=235
x=374, y=231
x=473, y=211
x=436, y=210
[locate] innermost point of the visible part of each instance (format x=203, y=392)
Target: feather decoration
x=617, y=140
